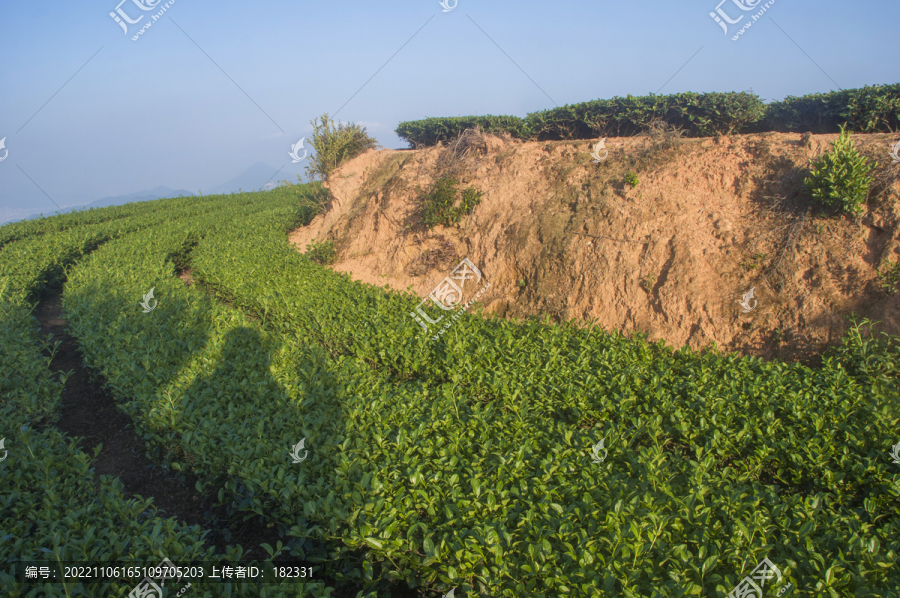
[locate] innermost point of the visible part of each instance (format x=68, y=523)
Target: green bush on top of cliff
x=869, y=109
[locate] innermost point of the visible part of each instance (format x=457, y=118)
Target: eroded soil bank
x=561, y=235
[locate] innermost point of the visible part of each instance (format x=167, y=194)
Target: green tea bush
x=839, y=179
x=443, y=205
x=865, y=110
x=870, y=109
x=335, y=145
x=698, y=115
x=142, y=357
x=868, y=358
x=431, y=131
x=322, y=253
x=52, y=507
x=889, y=276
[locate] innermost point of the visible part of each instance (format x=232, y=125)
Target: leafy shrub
x=868, y=357
x=889, y=276
x=118, y=528
x=335, y=145
x=631, y=179
x=439, y=204
x=322, y=253
x=840, y=177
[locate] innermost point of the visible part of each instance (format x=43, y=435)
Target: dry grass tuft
x=660, y=142
x=440, y=257
x=471, y=140
x=472, y=146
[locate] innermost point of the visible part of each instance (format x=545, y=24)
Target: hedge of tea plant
x=715, y=461
x=431, y=131
x=37, y=261
x=101, y=300
x=869, y=109
x=465, y=462
x=51, y=507
x=79, y=218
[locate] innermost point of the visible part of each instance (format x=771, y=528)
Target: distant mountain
x=260, y=176
x=254, y=178
x=118, y=200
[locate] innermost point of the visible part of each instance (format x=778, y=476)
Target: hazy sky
x=213, y=87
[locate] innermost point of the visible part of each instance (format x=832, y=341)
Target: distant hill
x=259, y=176
x=118, y=200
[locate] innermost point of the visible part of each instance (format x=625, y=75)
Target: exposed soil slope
x=558, y=234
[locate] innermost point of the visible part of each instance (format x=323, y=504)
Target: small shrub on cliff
x=335, y=145
x=866, y=356
x=322, y=253
x=839, y=179
x=631, y=179
x=439, y=204
x=889, y=277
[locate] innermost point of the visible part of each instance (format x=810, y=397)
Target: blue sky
x=214, y=87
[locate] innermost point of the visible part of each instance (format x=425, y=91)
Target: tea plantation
x=459, y=463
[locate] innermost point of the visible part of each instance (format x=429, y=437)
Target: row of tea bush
x=52, y=507
x=871, y=109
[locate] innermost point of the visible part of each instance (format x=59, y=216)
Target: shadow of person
x=261, y=424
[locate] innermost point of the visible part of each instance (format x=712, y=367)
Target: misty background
x=213, y=95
